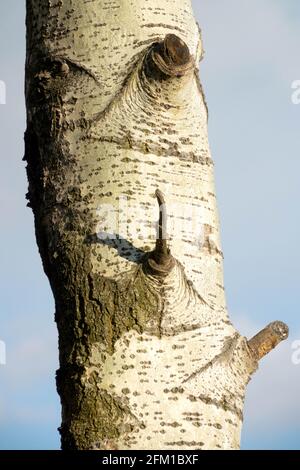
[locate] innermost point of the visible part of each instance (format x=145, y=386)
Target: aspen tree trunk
x=116, y=134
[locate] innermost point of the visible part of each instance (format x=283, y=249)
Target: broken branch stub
x=160, y=261
x=170, y=57
x=268, y=338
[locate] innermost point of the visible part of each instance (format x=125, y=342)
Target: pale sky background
x=252, y=58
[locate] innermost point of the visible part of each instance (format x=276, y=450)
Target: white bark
x=182, y=377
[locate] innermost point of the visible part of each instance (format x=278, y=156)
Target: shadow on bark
x=124, y=247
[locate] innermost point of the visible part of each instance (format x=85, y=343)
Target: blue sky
x=251, y=60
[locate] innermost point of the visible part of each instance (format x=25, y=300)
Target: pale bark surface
x=148, y=356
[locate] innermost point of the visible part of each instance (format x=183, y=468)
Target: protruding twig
x=160, y=260
x=161, y=250
x=268, y=338
x=171, y=56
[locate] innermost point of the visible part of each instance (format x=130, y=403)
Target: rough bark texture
x=115, y=112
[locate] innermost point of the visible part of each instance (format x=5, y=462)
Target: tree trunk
x=116, y=119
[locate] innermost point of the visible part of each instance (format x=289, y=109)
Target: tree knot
x=170, y=57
